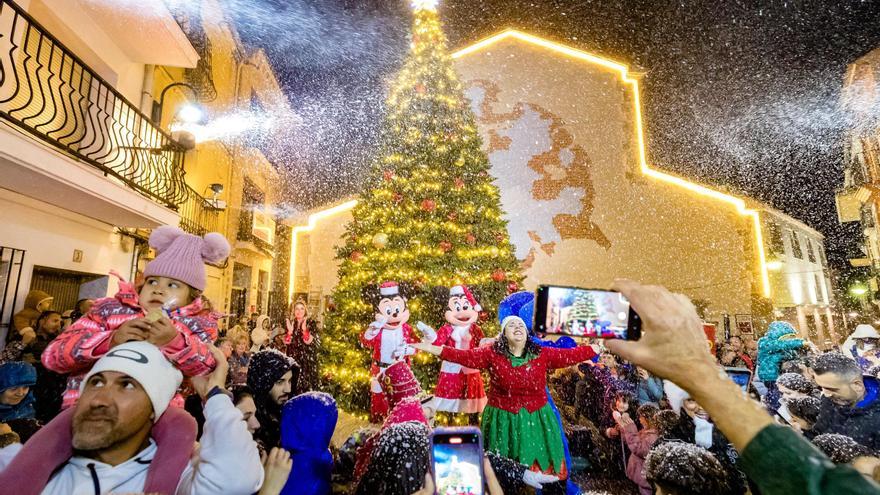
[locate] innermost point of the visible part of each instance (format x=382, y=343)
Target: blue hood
x=307, y=424
x=778, y=329
x=17, y=374
x=308, y=421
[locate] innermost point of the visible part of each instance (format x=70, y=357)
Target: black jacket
x=862, y=424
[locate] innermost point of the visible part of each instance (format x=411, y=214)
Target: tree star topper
x=418, y=5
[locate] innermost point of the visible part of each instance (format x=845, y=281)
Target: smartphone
x=579, y=312
x=457, y=461
x=740, y=376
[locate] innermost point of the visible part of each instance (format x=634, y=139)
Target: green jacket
x=782, y=462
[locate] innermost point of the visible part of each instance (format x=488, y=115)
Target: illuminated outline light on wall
x=313, y=222
x=623, y=70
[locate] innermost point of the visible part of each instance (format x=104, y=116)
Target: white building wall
x=49, y=236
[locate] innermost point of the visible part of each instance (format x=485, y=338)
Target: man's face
x=161, y=291
x=13, y=396
x=394, y=311
x=280, y=392
x=841, y=389
x=113, y=407
x=52, y=324
x=248, y=412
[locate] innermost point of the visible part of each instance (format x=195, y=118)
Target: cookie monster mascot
x=522, y=304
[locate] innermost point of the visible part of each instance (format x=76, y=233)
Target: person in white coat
x=121, y=437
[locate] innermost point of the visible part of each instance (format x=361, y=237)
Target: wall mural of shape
x=543, y=177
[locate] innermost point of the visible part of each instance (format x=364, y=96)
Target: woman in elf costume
x=459, y=388
x=518, y=421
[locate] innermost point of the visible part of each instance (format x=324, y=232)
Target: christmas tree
x=583, y=310
x=429, y=215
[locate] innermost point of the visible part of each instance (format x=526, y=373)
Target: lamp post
x=189, y=113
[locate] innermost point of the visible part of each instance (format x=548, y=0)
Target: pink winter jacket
x=639, y=443
x=84, y=342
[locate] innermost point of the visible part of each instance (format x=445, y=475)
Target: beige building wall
x=561, y=139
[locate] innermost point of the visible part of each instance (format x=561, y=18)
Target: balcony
x=256, y=231
x=51, y=95
x=198, y=215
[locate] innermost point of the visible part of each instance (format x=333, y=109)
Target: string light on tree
x=431, y=216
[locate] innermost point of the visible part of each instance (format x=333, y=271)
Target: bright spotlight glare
x=190, y=114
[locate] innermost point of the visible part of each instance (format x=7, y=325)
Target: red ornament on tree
x=453, y=216
x=499, y=275
x=459, y=183
x=429, y=205
x=470, y=239
x=512, y=287
x=388, y=174
x=420, y=88
x=356, y=256
x=499, y=236
x=445, y=246
x=398, y=197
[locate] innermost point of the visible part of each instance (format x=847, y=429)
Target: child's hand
x=277, y=466
x=162, y=332
x=625, y=420
x=131, y=331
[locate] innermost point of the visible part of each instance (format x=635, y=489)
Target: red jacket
x=376, y=342
x=76, y=349
x=513, y=388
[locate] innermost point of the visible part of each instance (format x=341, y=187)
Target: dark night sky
x=734, y=95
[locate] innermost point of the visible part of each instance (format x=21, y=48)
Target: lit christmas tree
x=583, y=310
x=429, y=215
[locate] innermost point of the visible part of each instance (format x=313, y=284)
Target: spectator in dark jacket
x=850, y=402
x=272, y=377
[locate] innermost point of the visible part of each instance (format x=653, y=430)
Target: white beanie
x=511, y=318
x=146, y=364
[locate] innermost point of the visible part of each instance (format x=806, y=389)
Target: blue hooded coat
x=307, y=424
x=773, y=350
x=522, y=304
x=18, y=374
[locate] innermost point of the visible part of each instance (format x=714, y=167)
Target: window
x=774, y=232
x=820, y=294
x=795, y=245
x=811, y=253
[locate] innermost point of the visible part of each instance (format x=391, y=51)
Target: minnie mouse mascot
x=388, y=336
x=459, y=389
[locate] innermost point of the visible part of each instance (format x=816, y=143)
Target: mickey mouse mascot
x=388, y=336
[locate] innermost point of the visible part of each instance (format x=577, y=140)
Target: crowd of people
x=143, y=393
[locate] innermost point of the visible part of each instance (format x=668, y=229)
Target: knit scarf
x=52, y=446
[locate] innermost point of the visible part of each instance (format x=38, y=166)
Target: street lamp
x=190, y=113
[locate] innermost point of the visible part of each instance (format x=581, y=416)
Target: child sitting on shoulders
x=167, y=310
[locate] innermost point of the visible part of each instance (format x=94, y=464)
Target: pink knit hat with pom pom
x=182, y=256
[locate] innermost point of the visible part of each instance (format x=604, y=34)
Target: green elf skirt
x=533, y=439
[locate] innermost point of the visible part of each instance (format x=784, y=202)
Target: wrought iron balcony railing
x=46, y=90
x=197, y=215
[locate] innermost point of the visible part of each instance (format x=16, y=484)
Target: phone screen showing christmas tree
x=588, y=313
x=457, y=455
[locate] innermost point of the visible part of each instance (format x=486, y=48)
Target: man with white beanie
x=121, y=437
